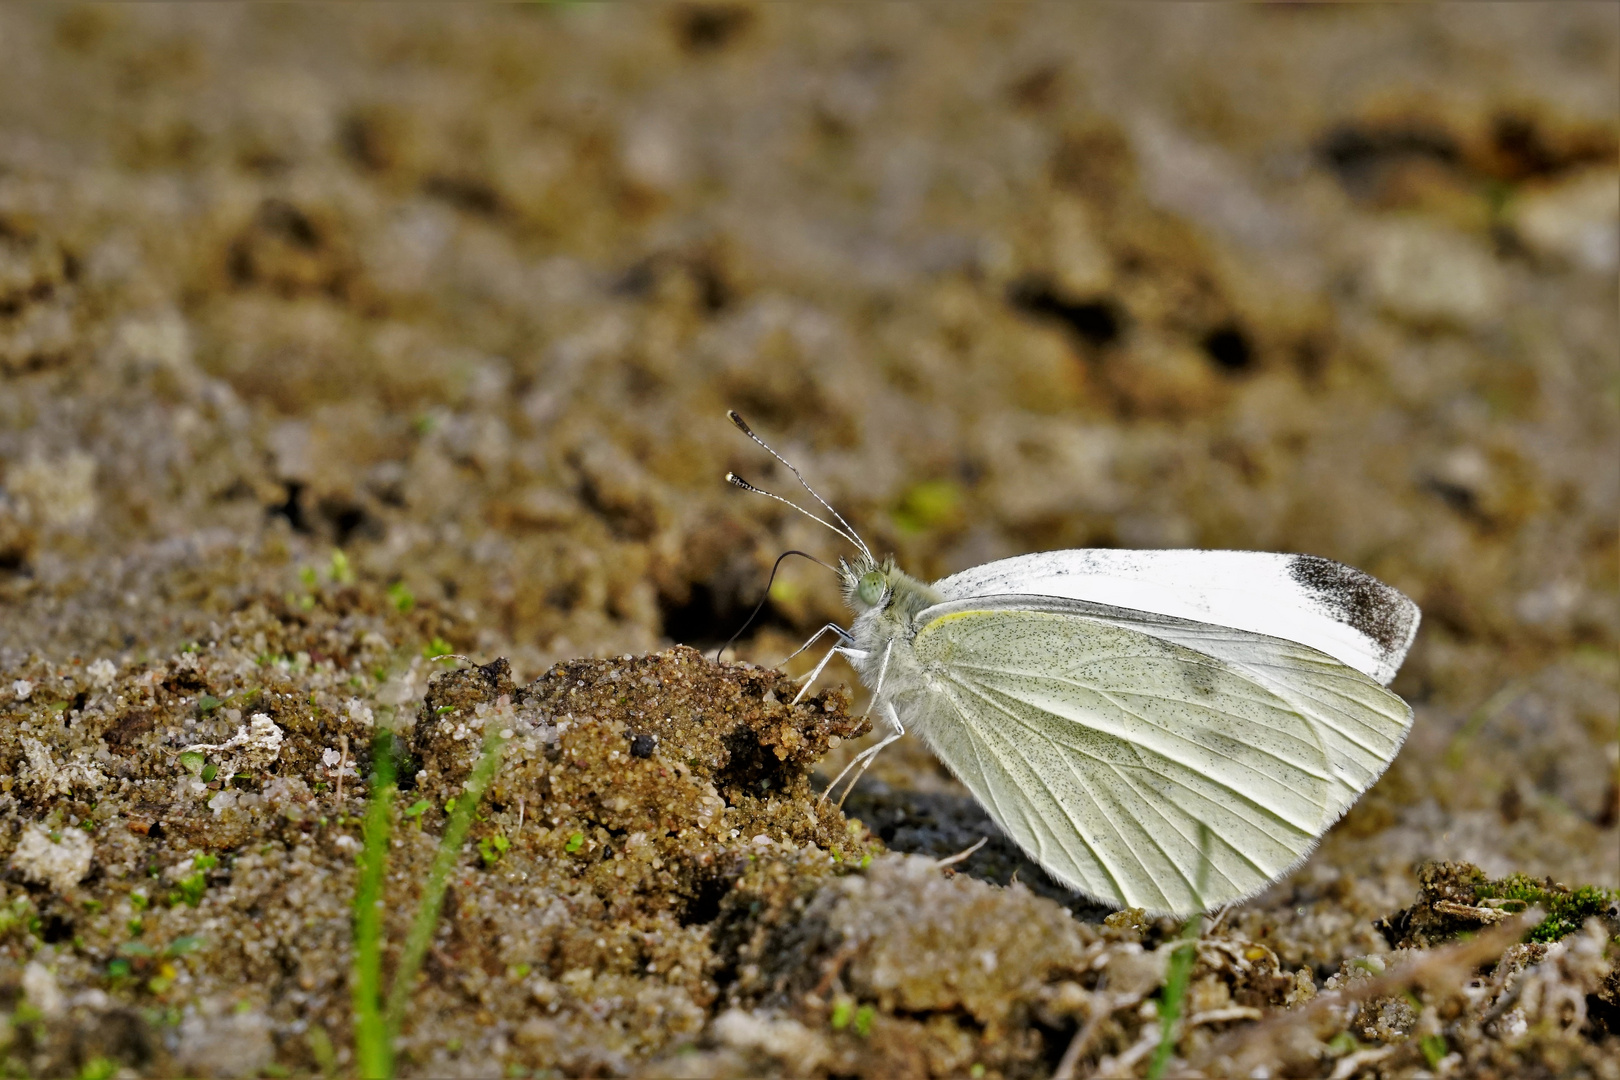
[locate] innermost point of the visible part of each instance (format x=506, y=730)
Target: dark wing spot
x=1356, y=599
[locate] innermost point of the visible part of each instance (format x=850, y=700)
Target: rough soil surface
x=333, y=340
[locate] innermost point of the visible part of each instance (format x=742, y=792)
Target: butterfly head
x=883, y=588
x=867, y=582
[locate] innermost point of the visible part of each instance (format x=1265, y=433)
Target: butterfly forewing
x=1328, y=606
x=1102, y=748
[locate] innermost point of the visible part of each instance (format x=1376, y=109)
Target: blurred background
x=463, y=292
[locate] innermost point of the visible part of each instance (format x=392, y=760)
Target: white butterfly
x=1168, y=730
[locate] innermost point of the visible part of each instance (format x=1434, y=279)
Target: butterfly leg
x=877, y=691
x=810, y=680
x=865, y=758
x=894, y=718
x=843, y=636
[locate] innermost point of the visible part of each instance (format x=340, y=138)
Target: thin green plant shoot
x=377, y=1025
x=373, y=1044
x=1178, y=973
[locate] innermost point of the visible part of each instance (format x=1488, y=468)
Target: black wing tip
x=1384, y=614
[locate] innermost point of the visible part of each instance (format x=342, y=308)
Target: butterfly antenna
x=737, y=481
x=848, y=530
x=764, y=599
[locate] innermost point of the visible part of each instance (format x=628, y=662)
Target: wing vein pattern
x=1101, y=739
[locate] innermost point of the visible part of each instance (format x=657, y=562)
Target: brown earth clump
x=651, y=886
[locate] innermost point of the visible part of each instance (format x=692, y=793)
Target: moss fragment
x=1457, y=898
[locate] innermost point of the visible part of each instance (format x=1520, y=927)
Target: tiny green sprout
x=442, y=709
x=866, y=860
x=454, y=1045
x=118, y=969
x=342, y=572
x=204, y=862
x=491, y=848
x=320, y=1047
x=191, y=647
x=575, y=842
x=521, y=971
x=208, y=703
x=416, y=808
x=193, y=761
x=401, y=595
x=976, y=1071
x=307, y=575
x=864, y=1016
x=209, y=772
x=136, y=948
x=423, y=424
x=306, y=602
x=843, y=1011
x=182, y=945
x=60, y=706
x=136, y=926
x=449, y=806
x=437, y=647
x=1434, y=1048
x=190, y=889
x=1343, y=1043
x=138, y=901
x=92, y=906
x=14, y=914
x=98, y=1068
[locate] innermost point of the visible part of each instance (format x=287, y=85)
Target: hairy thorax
x=884, y=634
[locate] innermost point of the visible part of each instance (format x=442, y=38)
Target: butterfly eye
x=870, y=590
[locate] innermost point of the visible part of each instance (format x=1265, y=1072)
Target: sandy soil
x=332, y=340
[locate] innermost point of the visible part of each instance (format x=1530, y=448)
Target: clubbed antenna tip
x=731, y=414
x=846, y=531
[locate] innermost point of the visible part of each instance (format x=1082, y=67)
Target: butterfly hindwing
x=1102, y=747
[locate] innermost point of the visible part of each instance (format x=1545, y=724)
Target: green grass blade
x=427, y=912
x=1177, y=976
x=1178, y=973
x=373, y=1044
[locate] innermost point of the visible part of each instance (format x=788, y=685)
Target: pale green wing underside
x=1102, y=747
